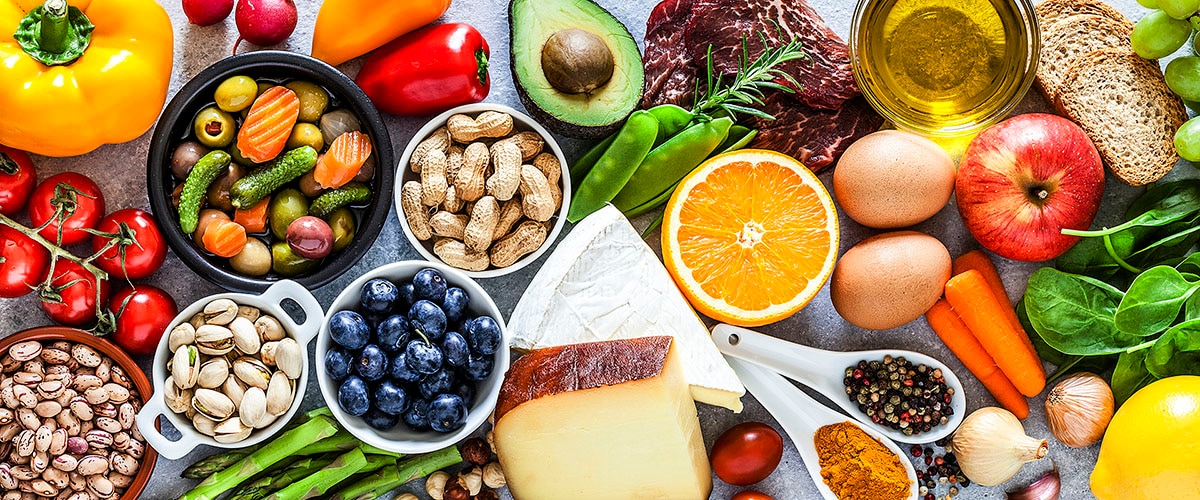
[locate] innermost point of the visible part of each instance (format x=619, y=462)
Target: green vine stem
x=55, y=250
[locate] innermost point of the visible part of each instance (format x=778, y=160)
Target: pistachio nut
x=232, y=431
x=279, y=394
x=253, y=410
x=213, y=373
x=213, y=404
x=220, y=312
x=245, y=336
x=204, y=425
x=267, y=353
x=214, y=340
x=183, y=334
x=269, y=328
x=185, y=367
x=251, y=313
x=197, y=320
x=234, y=389
x=178, y=400
x=289, y=357
x=253, y=372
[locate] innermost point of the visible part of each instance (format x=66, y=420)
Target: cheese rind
x=569, y=427
x=603, y=282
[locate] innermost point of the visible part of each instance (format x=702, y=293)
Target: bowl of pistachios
x=232, y=369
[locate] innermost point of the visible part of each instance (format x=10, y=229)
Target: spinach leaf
x=1074, y=314
x=1130, y=375
x=1090, y=257
x=1177, y=352
x=1153, y=301
x=1190, y=265
x=1164, y=195
x=1065, y=364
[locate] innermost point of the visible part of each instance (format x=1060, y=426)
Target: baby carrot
x=979, y=261
x=266, y=128
x=343, y=160
x=254, y=219
x=224, y=238
x=955, y=334
x=970, y=296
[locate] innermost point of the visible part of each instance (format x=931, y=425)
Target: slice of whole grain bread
x=1124, y=105
x=1050, y=11
x=1068, y=39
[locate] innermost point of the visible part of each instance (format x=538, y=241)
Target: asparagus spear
x=207, y=466
x=263, y=486
x=377, y=462
x=319, y=482
x=390, y=478
x=319, y=427
x=342, y=442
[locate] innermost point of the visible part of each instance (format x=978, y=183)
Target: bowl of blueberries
x=411, y=356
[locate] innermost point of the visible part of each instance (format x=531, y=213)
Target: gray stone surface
x=817, y=325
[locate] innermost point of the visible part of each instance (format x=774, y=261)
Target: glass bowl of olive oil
x=944, y=68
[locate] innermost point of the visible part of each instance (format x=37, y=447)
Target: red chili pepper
x=428, y=71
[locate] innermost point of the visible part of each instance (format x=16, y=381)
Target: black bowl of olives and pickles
x=270, y=165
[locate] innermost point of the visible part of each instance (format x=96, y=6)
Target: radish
x=207, y=12
x=264, y=22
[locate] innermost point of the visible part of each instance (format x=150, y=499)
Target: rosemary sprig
x=746, y=88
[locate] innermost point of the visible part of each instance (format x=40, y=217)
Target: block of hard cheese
x=600, y=421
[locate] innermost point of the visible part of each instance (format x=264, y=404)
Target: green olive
x=236, y=93
x=263, y=86
x=236, y=154
x=218, y=192
x=285, y=262
x=313, y=100
x=305, y=134
x=214, y=128
x=287, y=206
x=341, y=221
x=253, y=260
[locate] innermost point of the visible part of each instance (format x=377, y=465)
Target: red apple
x=1024, y=180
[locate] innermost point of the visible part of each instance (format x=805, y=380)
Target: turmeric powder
x=857, y=467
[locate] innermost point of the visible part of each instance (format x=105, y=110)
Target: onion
x=991, y=446
x=264, y=22
x=1078, y=409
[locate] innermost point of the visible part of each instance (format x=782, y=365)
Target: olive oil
x=944, y=67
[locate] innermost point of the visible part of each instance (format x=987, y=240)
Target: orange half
x=750, y=237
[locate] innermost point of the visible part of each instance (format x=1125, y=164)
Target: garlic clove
x=991, y=446
x=1045, y=488
x=1078, y=409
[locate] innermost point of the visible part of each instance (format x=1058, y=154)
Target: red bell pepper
x=428, y=71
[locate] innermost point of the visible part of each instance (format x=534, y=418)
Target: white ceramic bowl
x=521, y=123
x=400, y=439
x=270, y=303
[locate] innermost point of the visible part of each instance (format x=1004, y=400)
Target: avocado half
x=588, y=115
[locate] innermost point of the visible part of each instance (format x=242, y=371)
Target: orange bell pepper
x=73, y=79
x=350, y=28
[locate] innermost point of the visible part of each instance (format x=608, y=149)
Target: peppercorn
x=900, y=396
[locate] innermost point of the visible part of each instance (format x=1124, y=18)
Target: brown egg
x=892, y=179
x=889, y=279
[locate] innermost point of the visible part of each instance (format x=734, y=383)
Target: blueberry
x=417, y=416
x=392, y=333
x=337, y=363
x=407, y=296
x=454, y=349
x=352, y=396
x=379, y=296
x=465, y=390
x=484, y=334
x=391, y=399
x=399, y=370
x=429, y=284
x=455, y=304
x=447, y=412
x=423, y=357
x=372, y=363
x=380, y=420
x=478, y=368
x=427, y=318
x=349, y=330
x=439, y=382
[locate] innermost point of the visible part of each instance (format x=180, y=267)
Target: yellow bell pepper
x=62, y=94
x=350, y=28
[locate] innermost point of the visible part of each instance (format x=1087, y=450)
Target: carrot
x=224, y=238
x=343, y=160
x=955, y=334
x=266, y=129
x=254, y=219
x=979, y=261
x=970, y=295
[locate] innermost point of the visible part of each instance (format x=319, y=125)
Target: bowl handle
x=314, y=314
x=166, y=448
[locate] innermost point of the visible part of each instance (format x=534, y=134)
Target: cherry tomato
x=142, y=313
x=82, y=202
x=138, y=238
x=76, y=288
x=751, y=495
x=17, y=178
x=22, y=263
x=746, y=453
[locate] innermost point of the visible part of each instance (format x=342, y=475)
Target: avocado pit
x=577, y=61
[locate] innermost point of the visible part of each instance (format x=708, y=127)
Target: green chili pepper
x=584, y=164
x=669, y=163
x=671, y=120
x=204, y=173
x=739, y=137
x=616, y=166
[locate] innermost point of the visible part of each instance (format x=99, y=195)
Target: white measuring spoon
x=823, y=371
x=801, y=416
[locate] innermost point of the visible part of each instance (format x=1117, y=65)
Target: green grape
x=1179, y=9
x=1183, y=77
x=1195, y=20
x=1159, y=35
x=1149, y=4
x=1187, y=140
x=1192, y=105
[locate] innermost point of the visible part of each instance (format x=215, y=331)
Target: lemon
x=1152, y=446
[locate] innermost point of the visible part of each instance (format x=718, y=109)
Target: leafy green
x=1153, y=301
x=1177, y=352
x=1129, y=375
x=1074, y=314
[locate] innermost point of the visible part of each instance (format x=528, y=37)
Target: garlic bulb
x=1078, y=409
x=991, y=446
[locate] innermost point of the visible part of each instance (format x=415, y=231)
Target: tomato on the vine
x=77, y=197
x=746, y=453
x=17, y=178
x=139, y=248
x=142, y=315
x=72, y=297
x=23, y=263
x=751, y=495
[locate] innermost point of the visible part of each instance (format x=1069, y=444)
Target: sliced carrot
x=970, y=296
x=343, y=160
x=955, y=334
x=979, y=261
x=224, y=238
x=266, y=128
x=254, y=219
